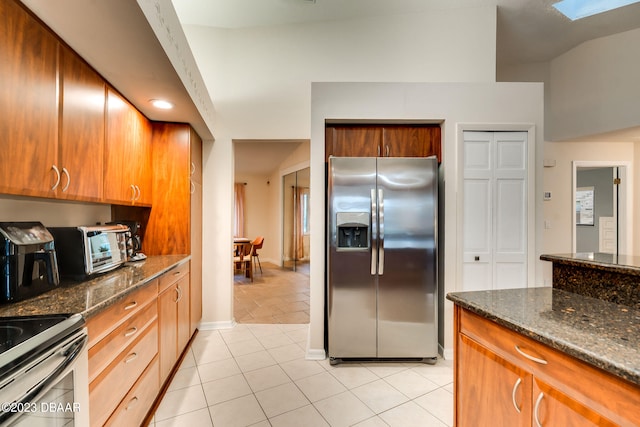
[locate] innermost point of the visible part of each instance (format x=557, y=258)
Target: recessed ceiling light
x=577, y=9
x=161, y=104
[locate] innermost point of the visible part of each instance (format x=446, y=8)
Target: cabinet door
x=168, y=229
x=127, y=176
x=490, y=390
x=353, y=141
x=183, y=315
x=196, y=231
x=167, y=330
x=411, y=141
x=28, y=103
x=554, y=408
x=81, y=142
x=141, y=151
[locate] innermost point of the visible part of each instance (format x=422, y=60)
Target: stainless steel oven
x=44, y=371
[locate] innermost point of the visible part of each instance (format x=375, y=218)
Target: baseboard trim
x=211, y=326
x=447, y=353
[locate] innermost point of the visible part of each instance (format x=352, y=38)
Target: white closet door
x=495, y=210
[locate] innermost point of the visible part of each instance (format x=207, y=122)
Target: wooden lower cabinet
x=506, y=404
x=173, y=319
x=133, y=347
x=134, y=407
x=504, y=378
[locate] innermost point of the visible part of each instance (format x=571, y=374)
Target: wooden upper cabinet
x=81, y=144
x=411, y=141
x=28, y=103
x=382, y=140
x=127, y=161
x=353, y=141
x=168, y=230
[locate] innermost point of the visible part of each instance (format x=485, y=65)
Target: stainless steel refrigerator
x=382, y=258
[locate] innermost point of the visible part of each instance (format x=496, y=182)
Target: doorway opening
x=601, y=207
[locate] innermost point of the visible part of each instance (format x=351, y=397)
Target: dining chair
x=242, y=259
x=255, y=245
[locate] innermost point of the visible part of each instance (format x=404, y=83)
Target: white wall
x=594, y=87
x=52, y=213
x=459, y=105
x=259, y=78
x=559, y=211
x=260, y=81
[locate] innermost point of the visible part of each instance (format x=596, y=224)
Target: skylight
x=577, y=9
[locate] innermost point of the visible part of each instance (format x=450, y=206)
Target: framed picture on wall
x=584, y=205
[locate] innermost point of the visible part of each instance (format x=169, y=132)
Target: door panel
x=494, y=210
x=407, y=285
x=351, y=293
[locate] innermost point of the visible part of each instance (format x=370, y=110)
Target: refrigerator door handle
x=381, y=233
x=374, y=230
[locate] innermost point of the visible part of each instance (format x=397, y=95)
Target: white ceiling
x=117, y=40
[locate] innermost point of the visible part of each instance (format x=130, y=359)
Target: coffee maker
x=28, y=260
x=136, y=238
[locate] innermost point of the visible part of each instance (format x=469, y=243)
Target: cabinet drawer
x=607, y=394
x=104, y=322
x=172, y=276
x=110, y=387
x=108, y=348
x=139, y=400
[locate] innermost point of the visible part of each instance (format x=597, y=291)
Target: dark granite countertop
x=601, y=333
x=90, y=297
x=625, y=264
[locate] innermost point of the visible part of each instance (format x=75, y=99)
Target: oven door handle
x=69, y=350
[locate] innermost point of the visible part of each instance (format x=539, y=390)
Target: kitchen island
x=545, y=355
x=614, y=278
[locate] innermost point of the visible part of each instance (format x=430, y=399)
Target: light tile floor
x=257, y=375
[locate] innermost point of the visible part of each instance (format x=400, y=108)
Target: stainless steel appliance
x=44, y=378
x=84, y=251
x=382, y=258
x=28, y=260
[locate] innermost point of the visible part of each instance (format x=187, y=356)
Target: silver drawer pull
x=532, y=358
x=536, y=410
x=131, y=331
x=131, y=357
x=131, y=305
x=513, y=394
x=131, y=403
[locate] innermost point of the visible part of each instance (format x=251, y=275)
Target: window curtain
x=299, y=231
x=238, y=230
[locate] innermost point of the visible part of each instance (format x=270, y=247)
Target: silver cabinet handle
x=131, y=331
x=513, y=394
x=387, y=149
x=536, y=410
x=192, y=188
x=374, y=233
x=532, y=358
x=193, y=168
x=381, y=226
x=133, y=193
x=131, y=305
x=379, y=151
x=131, y=357
x=55, y=169
x=66, y=172
x=178, y=294
x=137, y=193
